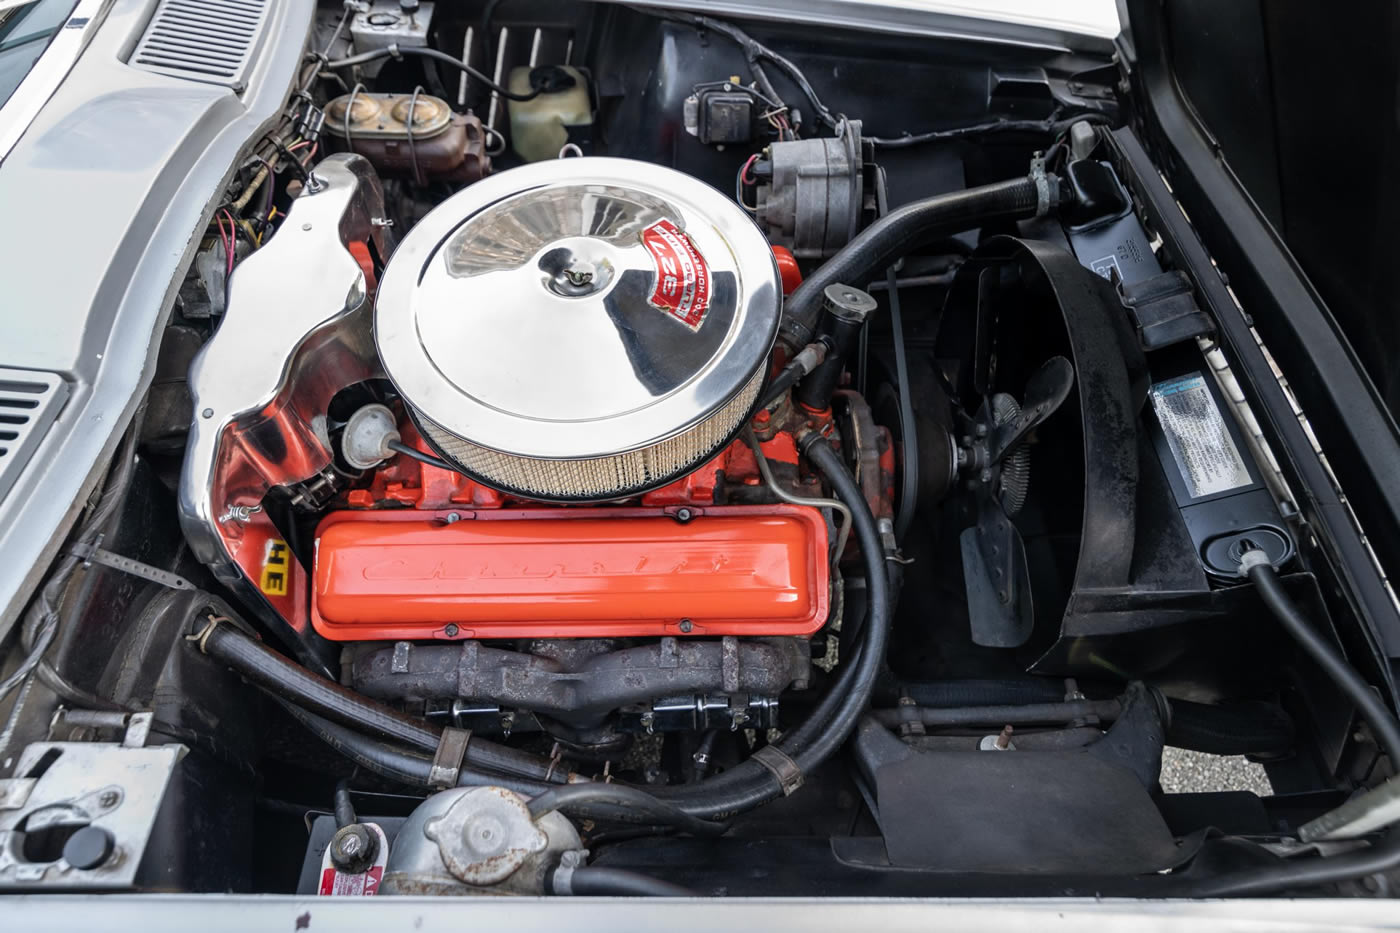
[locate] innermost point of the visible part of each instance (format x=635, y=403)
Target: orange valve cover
x=571, y=573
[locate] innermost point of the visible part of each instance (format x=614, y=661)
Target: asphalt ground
x=1186, y=772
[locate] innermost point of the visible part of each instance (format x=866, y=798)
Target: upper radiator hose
x=907, y=229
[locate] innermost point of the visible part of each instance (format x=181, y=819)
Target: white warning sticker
x=1205, y=453
x=1106, y=266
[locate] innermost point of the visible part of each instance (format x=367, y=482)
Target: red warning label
x=682, y=287
x=365, y=884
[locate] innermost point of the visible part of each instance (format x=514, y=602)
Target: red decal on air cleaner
x=682, y=278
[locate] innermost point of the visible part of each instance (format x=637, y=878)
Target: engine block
x=428, y=553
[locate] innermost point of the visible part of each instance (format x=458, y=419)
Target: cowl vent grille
x=203, y=40
x=29, y=402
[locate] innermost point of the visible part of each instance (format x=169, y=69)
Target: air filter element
x=580, y=329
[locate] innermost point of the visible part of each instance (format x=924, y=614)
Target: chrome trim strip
x=931, y=18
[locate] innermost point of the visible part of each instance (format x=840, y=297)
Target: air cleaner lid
x=577, y=308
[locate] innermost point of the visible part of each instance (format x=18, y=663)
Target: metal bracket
x=90, y=554
x=138, y=730
x=137, y=726
x=14, y=792
x=102, y=787
x=447, y=761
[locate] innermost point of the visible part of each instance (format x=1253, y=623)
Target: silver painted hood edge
x=130, y=301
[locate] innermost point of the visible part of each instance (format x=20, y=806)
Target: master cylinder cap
x=580, y=329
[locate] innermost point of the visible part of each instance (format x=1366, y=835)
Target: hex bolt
x=684, y=515
x=911, y=724
x=451, y=630
x=353, y=848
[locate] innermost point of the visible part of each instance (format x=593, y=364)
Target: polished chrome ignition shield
x=582, y=328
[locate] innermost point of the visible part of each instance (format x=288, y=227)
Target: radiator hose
x=318, y=696
x=611, y=882
x=909, y=228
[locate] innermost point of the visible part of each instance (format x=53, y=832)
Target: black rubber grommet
x=88, y=848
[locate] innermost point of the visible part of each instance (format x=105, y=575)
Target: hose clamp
x=806, y=438
x=562, y=880
x=447, y=760
x=201, y=637
x=811, y=356
x=1254, y=557
x=1044, y=195
x=796, y=334
x=782, y=767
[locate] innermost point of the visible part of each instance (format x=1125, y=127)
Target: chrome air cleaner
x=580, y=329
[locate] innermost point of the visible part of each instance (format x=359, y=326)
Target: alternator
x=812, y=200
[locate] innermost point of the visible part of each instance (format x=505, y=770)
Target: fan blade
x=997, y=579
x=1046, y=391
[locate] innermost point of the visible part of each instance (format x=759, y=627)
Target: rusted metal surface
x=476, y=840
x=583, y=688
x=486, y=835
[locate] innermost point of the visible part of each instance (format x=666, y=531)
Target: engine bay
x=605, y=450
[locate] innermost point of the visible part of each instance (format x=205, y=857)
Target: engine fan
x=996, y=464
